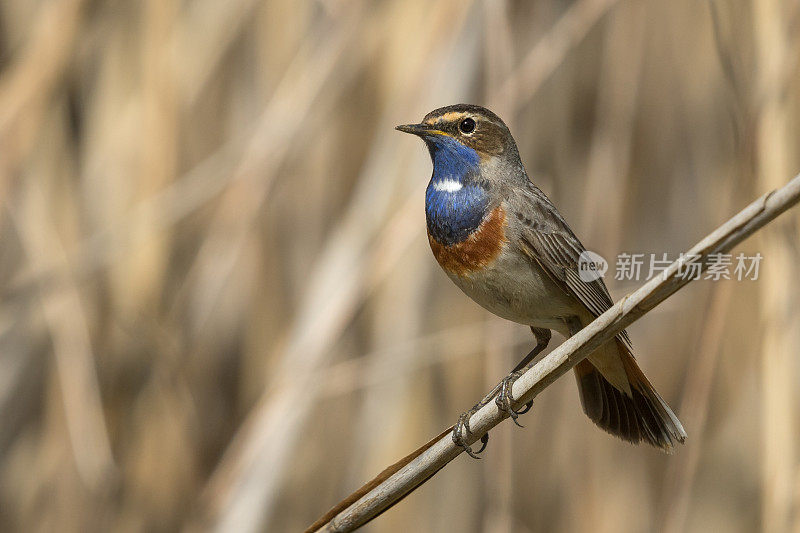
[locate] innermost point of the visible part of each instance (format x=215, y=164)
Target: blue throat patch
x=452, y=215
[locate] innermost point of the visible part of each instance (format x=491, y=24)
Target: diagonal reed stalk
x=400, y=479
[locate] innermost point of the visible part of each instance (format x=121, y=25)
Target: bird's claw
x=461, y=429
x=505, y=399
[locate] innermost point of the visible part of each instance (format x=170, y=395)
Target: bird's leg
x=462, y=428
x=504, y=399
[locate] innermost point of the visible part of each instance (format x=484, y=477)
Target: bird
x=501, y=240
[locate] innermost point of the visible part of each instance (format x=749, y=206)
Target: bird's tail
x=641, y=415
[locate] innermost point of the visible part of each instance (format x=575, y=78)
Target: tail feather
x=641, y=416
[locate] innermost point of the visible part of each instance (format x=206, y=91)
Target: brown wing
x=547, y=240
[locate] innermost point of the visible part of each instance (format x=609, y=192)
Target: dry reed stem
x=612, y=141
x=244, y=486
x=695, y=405
x=542, y=60
x=28, y=81
x=69, y=330
x=779, y=289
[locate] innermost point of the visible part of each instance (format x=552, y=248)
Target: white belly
x=513, y=288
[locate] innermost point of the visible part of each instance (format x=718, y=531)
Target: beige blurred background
x=218, y=310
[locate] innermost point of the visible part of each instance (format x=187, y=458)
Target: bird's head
x=474, y=156
x=464, y=137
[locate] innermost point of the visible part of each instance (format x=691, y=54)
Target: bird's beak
x=416, y=129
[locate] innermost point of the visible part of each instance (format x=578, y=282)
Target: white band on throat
x=447, y=185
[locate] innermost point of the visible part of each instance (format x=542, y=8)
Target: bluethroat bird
x=503, y=243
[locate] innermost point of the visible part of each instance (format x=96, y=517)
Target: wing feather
x=547, y=239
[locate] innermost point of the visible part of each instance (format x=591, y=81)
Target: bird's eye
x=467, y=126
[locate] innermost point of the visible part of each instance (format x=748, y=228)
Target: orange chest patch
x=478, y=250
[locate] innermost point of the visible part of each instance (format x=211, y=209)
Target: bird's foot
x=461, y=429
x=505, y=399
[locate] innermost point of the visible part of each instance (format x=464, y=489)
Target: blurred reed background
x=218, y=309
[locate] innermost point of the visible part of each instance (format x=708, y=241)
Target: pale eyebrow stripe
x=450, y=116
x=454, y=116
